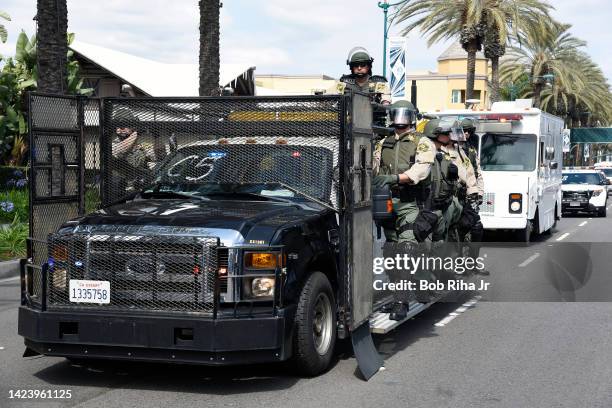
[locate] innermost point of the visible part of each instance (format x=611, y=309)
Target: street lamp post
x=385, y=5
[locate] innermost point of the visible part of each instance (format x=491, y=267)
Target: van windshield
x=508, y=152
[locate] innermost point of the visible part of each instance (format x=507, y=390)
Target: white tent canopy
x=156, y=78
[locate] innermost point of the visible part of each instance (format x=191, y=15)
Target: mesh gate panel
x=145, y=272
x=280, y=146
x=55, y=169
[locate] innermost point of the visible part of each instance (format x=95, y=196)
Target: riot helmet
x=469, y=126
x=402, y=114
x=358, y=56
x=437, y=127
x=456, y=131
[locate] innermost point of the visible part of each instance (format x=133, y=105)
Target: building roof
x=455, y=51
x=156, y=78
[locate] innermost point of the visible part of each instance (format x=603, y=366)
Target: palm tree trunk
x=472, y=48
x=209, y=47
x=52, y=45
x=537, y=94
x=494, y=79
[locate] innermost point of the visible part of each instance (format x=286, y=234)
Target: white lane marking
x=1, y=348
x=9, y=279
x=452, y=315
x=583, y=223
x=562, y=237
x=529, y=260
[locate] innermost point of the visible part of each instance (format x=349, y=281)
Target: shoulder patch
x=422, y=147
x=347, y=79
x=378, y=78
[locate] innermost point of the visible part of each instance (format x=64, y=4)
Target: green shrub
x=11, y=177
x=13, y=240
x=14, y=203
x=92, y=199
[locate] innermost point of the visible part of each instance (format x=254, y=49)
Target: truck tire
x=602, y=212
x=524, y=234
x=314, y=331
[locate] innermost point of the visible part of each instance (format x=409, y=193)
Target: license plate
x=89, y=291
x=574, y=204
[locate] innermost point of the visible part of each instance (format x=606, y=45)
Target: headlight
x=261, y=260
x=516, y=203
x=59, y=278
x=258, y=287
x=597, y=192
x=262, y=287
x=59, y=253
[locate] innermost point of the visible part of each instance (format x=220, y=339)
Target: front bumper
x=490, y=222
x=157, y=338
x=566, y=207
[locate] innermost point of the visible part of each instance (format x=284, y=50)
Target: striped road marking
x=562, y=237
x=583, y=223
x=529, y=260
x=451, y=316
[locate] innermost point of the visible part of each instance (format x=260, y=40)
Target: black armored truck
x=225, y=230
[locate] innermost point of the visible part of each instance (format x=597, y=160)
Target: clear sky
x=276, y=36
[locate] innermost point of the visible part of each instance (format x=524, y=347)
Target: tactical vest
x=472, y=154
x=397, y=156
x=442, y=189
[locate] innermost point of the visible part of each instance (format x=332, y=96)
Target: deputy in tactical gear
x=132, y=158
x=403, y=161
x=470, y=226
x=361, y=80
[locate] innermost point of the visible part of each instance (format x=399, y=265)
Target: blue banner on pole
x=397, y=67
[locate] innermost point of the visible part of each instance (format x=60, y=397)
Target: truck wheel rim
x=322, y=324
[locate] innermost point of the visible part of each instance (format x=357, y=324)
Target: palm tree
x=547, y=48
x=503, y=18
x=441, y=20
x=52, y=21
x=209, y=47
x=3, y=32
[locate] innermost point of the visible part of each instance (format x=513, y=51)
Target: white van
x=520, y=155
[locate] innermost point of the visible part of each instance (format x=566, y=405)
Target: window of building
x=458, y=96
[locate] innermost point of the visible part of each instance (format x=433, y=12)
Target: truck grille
x=576, y=195
x=488, y=203
x=164, y=273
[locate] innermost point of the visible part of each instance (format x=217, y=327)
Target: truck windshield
x=508, y=152
x=268, y=170
x=581, y=178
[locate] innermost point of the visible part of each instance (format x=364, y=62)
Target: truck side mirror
x=553, y=165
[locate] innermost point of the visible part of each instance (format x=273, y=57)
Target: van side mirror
x=553, y=165
x=550, y=153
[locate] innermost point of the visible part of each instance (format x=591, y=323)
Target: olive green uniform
x=412, y=155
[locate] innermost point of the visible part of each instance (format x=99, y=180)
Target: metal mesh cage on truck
x=89, y=153
x=280, y=146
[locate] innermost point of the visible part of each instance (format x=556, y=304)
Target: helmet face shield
x=457, y=134
x=402, y=116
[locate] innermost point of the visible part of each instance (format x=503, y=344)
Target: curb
x=9, y=269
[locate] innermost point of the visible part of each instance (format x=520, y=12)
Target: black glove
x=475, y=201
x=385, y=180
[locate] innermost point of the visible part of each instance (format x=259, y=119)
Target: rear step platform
x=381, y=324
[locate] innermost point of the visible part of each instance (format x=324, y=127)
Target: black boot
x=399, y=312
